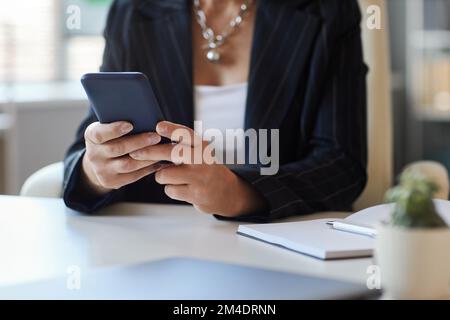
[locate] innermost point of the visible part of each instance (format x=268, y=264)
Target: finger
x=99, y=133
x=158, y=152
x=124, y=145
x=201, y=209
x=127, y=164
x=128, y=178
x=173, y=152
x=176, y=175
x=178, y=133
x=180, y=192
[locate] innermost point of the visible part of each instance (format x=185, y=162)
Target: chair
x=47, y=181
x=379, y=109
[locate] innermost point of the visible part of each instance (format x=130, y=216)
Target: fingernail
x=162, y=128
x=135, y=155
x=126, y=127
x=154, y=138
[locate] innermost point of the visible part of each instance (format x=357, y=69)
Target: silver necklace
x=215, y=41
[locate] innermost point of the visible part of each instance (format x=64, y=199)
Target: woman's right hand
x=106, y=163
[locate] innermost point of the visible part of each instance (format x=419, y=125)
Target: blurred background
x=46, y=45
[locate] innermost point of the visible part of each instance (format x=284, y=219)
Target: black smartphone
x=123, y=96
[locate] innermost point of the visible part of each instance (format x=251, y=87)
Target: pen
x=353, y=228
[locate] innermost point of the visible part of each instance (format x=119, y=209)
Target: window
x=27, y=40
x=36, y=45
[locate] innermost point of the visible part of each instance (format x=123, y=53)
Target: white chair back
x=379, y=115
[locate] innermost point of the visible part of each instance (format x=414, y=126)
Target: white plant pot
x=414, y=263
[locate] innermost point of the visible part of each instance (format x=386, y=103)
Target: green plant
x=414, y=207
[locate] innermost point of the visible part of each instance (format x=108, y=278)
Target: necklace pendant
x=213, y=56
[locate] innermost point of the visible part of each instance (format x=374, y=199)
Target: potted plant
x=413, y=248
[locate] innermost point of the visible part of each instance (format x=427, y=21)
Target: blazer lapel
x=283, y=39
x=165, y=55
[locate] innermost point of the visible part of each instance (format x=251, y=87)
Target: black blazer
x=307, y=78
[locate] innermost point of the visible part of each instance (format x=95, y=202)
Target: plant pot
x=414, y=263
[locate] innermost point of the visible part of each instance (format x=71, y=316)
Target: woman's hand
x=211, y=188
x=106, y=163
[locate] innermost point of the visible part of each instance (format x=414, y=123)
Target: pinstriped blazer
x=307, y=79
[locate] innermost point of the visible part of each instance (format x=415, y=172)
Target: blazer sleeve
x=75, y=194
x=333, y=173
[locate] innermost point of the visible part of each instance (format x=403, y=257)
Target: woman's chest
x=235, y=52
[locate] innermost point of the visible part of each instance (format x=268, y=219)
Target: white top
x=220, y=107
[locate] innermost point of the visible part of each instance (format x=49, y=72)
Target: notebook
x=317, y=239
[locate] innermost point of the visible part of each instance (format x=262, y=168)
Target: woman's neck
x=217, y=5
x=220, y=8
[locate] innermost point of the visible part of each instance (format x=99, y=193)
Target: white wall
x=43, y=126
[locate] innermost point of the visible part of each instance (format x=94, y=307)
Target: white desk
x=40, y=238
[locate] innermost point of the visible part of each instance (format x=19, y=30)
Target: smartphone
x=123, y=96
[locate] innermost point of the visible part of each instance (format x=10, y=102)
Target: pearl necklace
x=215, y=41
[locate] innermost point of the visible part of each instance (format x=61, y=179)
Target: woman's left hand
x=211, y=188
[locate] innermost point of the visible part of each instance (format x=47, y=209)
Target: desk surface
x=41, y=238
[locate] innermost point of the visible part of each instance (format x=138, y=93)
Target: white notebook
x=317, y=239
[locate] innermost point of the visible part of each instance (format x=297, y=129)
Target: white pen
x=353, y=228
